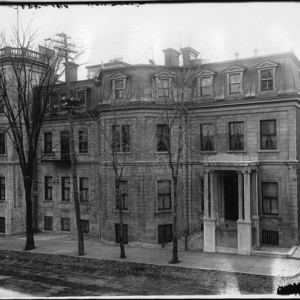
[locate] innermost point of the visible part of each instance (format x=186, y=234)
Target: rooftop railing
x=21, y=52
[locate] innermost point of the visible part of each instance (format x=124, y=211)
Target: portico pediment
x=266, y=65
x=234, y=69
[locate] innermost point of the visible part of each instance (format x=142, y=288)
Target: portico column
x=206, y=194
x=212, y=195
x=247, y=212
x=240, y=195
x=255, y=216
x=209, y=222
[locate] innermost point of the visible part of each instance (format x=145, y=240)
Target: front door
x=231, y=197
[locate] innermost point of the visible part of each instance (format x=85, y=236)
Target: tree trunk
x=29, y=228
x=122, y=247
x=175, y=230
x=75, y=187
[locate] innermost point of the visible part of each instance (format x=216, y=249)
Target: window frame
x=270, y=199
x=159, y=194
x=163, y=238
x=85, y=226
x=163, y=139
x=264, y=67
x=230, y=136
x=124, y=196
x=122, y=137
x=212, y=125
x=117, y=90
x=2, y=225
x=268, y=135
x=125, y=233
x=48, y=142
x=65, y=188
x=65, y=146
x=48, y=189
x=84, y=190
x=163, y=92
x=83, y=143
x=235, y=71
x=2, y=143
x=48, y=227
x=65, y=224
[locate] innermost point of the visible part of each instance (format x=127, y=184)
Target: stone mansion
x=240, y=186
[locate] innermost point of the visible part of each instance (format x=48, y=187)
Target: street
x=45, y=279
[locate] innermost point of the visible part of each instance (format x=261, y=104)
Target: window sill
x=83, y=153
x=65, y=201
x=208, y=152
x=84, y=202
x=269, y=216
x=161, y=152
x=122, y=153
x=236, y=151
x=167, y=211
x=123, y=211
x=2, y=201
x=268, y=151
x=48, y=200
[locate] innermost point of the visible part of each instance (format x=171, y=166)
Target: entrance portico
x=230, y=207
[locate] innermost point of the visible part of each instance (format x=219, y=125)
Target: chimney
x=171, y=57
x=188, y=54
x=73, y=71
x=236, y=55
x=255, y=52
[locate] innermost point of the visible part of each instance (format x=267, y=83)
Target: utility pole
x=66, y=50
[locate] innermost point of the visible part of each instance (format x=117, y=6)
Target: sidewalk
x=66, y=244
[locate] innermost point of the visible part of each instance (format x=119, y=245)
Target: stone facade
x=238, y=192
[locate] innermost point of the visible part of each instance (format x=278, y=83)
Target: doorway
x=231, y=196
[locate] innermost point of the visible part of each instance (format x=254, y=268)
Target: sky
x=138, y=33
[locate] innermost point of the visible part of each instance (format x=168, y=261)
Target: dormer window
x=266, y=80
x=266, y=76
x=205, y=83
x=234, y=83
x=205, y=86
x=234, y=80
x=163, y=83
x=119, y=86
x=163, y=87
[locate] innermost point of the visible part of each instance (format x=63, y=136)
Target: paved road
x=28, y=278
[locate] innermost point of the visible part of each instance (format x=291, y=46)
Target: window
x=202, y=194
x=84, y=189
x=2, y=224
x=119, y=88
x=207, y=133
x=206, y=86
x=48, y=188
x=165, y=234
x=268, y=138
x=65, y=224
x=125, y=233
x=83, y=141
x=2, y=188
x=121, y=138
x=122, y=195
x=81, y=95
x=266, y=80
x=236, y=135
x=85, y=226
x=163, y=137
x=163, y=87
x=65, y=188
x=48, y=142
x=2, y=143
x=270, y=198
x=65, y=144
x=164, y=194
x=234, y=83
x=48, y=223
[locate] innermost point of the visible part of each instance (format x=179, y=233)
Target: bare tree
x=26, y=82
x=117, y=146
x=177, y=99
